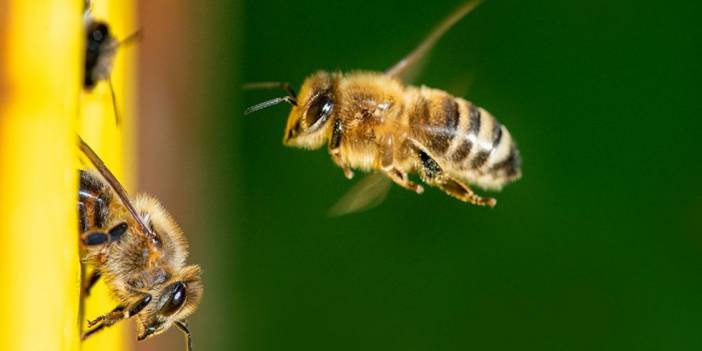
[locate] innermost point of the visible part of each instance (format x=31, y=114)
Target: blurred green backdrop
x=598, y=247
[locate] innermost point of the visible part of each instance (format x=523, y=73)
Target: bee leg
x=387, y=163
x=400, y=178
x=92, y=331
x=335, y=150
x=104, y=321
x=116, y=314
x=463, y=192
x=431, y=173
x=138, y=306
x=94, y=238
x=336, y=156
x=100, y=238
x=117, y=231
x=90, y=281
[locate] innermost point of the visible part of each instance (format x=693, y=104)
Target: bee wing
x=461, y=84
x=367, y=193
x=116, y=186
x=411, y=64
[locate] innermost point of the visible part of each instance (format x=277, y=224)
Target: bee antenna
x=271, y=85
x=131, y=38
x=289, y=99
x=114, y=102
x=184, y=328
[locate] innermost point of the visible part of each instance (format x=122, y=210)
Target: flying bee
x=100, y=50
x=140, y=252
x=373, y=121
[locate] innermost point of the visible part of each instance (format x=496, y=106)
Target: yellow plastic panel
x=40, y=70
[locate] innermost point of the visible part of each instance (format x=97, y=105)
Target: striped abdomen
x=465, y=140
x=93, y=203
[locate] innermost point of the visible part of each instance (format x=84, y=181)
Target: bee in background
x=100, y=50
x=139, y=251
x=373, y=121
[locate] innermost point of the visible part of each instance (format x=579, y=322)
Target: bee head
x=171, y=304
x=98, y=32
x=171, y=294
x=308, y=122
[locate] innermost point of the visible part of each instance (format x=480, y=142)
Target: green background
x=599, y=246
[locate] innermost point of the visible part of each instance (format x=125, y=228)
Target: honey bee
x=375, y=122
x=100, y=50
x=139, y=251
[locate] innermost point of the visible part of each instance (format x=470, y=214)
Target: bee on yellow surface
x=375, y=122
x=100, y=50
x=139, y=251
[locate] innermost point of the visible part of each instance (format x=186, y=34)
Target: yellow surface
x=40, y=62
x=41, y=108
x=115, y=146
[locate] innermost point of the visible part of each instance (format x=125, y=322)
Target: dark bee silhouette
x=100, y=50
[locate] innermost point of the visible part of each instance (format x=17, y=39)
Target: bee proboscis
x=139, y=251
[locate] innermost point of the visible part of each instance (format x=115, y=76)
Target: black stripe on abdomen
x=100, y=210
x=450, y=109
x=511, y=166
x=474, y=125
x=496, y=135
x=436, y=124
x=462, y=151
x=442, y=125
x=479, y=159
x=483, y=156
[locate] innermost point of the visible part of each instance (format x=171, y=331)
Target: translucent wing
x=364, y=195
x=116, y=186
x=461, y=84
x=409, y=65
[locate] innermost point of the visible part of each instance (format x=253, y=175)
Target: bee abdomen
x=484, y=147
x=467, y=138
x=510, y=167
x=93, y=202
x=435, y=120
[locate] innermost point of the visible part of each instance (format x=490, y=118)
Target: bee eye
x=99, y=33
x=176, y=301
x=319, y=110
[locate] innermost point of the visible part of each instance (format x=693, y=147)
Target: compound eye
x=177, y=299
x=319, y=110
